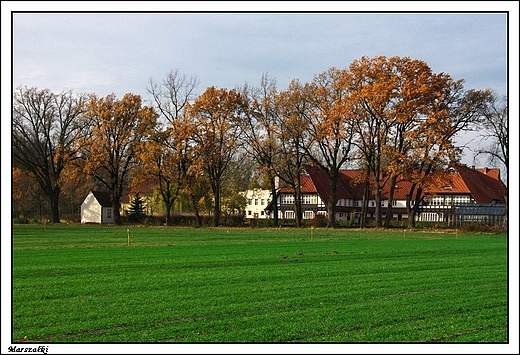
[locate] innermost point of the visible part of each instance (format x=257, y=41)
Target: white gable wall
x=90, y=210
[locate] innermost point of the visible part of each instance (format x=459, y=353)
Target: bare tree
x=494, y=136
x=45, y=132
x=262, y=142
x=167, y=156
x=494, y=133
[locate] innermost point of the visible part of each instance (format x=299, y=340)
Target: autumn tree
x=406, y=117
x=217, y=115
x=416, y=92
x=46, y=127
x=292, y=131
x=117, y=129
x=452, y=110
x=27, y=199
x=374, y=85
x=330, y=130
x=262, y=142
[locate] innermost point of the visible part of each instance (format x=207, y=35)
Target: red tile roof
x=483, y=184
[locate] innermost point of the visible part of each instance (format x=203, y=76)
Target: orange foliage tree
x=330, y=129
x=217, y=115
x=406, y=118
x=291, y=130
x=117, y=128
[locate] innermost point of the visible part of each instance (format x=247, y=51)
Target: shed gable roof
x=103, y=198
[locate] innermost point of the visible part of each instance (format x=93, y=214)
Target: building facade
x=257, y=200
x=444, y=199
x=97, y=208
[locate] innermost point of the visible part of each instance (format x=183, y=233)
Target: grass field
x=85, y=284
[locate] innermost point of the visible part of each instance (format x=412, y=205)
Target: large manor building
x=464, y=194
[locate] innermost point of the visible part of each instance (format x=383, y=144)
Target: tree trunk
x=169, y=213
x=274, y=202
x=331, y=204
x=388, y=216
x=194, y=204
x=412, y=210
x=377, y=197
x=116, y=212
x=364, y=206
x=54, y=197
x=298, y=205
x=216, y=206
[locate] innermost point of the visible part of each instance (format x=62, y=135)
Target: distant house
x=97, y=208
x=467, y=194
x=257, y=201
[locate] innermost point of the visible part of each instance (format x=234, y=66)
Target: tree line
x=393, y=117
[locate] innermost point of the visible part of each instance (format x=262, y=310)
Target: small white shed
x=97, y=208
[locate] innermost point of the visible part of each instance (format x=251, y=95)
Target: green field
x=85, y=284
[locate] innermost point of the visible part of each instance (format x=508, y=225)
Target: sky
x=103, y=53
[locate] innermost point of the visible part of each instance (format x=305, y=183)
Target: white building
x=257, y=201
x=97, y=208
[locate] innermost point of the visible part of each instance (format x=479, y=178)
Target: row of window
x=250, y=213
x=437, y=200
x=448, y=200
x=307, y=199
x=256, y=202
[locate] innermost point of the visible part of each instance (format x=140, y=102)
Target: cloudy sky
x=103, y=53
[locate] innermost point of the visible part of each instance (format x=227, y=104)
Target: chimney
x=473, y=167
x=486, y=170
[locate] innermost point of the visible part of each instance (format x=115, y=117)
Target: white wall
x=90, y=210
x=259, y=200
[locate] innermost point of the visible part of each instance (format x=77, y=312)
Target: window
x=309, y=199
x=356, y=203
x=308, y=215
x=249, y=213
x=249, y=201
x=262, y=202
x=109, y=213
x=287, y=199
x=429, y=217
x=290, y=214
x=461, y=199
x=394, y=202
x=256, y=201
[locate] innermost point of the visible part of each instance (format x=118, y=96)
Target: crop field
x=182, y=285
